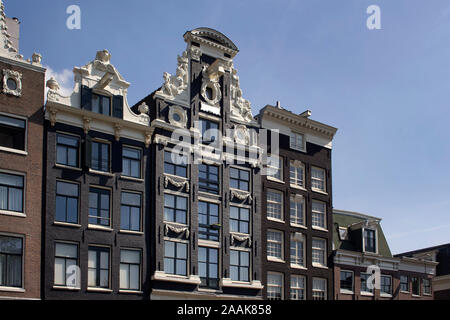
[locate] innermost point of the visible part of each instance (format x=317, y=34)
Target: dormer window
x=369, y=240
x=101, y=104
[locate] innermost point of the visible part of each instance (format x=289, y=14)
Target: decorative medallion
x=12, y=82
x=177, y=116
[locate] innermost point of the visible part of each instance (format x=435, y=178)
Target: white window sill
x=208, y=243
x=122, y=177
x=62, y=166
x=16, y=151
x=66, y=224
x=316, y=265
x=130, y=291
x=416, y=296
x=13, y=213
x=385, y=295
x=343, y=291
x=298, y=226
x=100, y=228
x=102, y=173
x=405, y=292
x=319, y=228
x=162, y=276
x=66, y=288
x=319, y=191
x=255, y=284
x=275, y=180
x=367, y=294
x=12, y=289
x=296, y=186
x=138, y=233
x=297, y=266
x=274, y=259
x=275, y=220
x=104, y=290
x=427, y=294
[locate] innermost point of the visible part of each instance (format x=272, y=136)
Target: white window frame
x=281, y=219
x=317, y=290
x=324, y=190
x=297, y=288
x=77, y=244
x=323, y=250
x=316, y=212
x=298, y=237
x=293, y=141
x=281, y=243
x=279, y=169
x=384, y=294
x=364, y=240
x=294, y=166
x=24, y=196
x=11, y=150
x=297, y=198
x=346, y=291
x=271, y=285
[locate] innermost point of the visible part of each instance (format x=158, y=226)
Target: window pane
x=130, y=256
x=66, y=250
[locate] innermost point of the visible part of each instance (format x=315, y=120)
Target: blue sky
x=387, y=91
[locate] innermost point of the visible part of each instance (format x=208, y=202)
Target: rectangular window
x=12, y=133
x=66, y=256
x=297, y=141
x=98, y=267
x=318, y=179
x=11, y=255
x=275, y=244
x=275, y=167
x=319, y=289
x=297, y=174
x=319, y=252
x=130, y=269
x=297, y=212
x=99, y=207
x=208, y=178
x=404, y=284
x=318, y=214
x=131, y=162
x=298, y=288
x=239, y=179
x=67, y=197
x=175, y=164
x=386, y=284
x=208, y=221
x=347, y=280
x=67, y=150
x=274, y=205
x=175, y=258
x=100, y=156
x=239, y=219
x=209, y=131
x=426, y=286
x=208, y=267
x=415, y=284
x=130, y=211
x=240, y=265
x=297, y=249
x=274, y=286
x=364, y=286
x=101, y=104
x=369, y=240
x=175, y=208
x=11, y=192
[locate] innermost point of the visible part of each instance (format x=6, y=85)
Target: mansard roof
x=211, y=37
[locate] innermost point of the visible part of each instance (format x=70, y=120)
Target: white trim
x=20, y=117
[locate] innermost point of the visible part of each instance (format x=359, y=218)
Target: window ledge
x=319, y=228
x=296, y=186
x=140, y=180
x=406, y=292
x=100, y=228
x=227, y=282
x=343, y=291
x=13, y=213
x=162, y=276
x=103, y=290
x=102, y=173
x=175, y=176
x=315, y=265
x=62, y=166
x=130, y=291
x=138, y=233
x=209, y=243
x=66, y=288
x=275, y=220
x=319, y=191
x=385, y=295
x=367, y=294
x=66, y=224
x=427, y=294
x=274, y=179
x=12, y=289
x=297, y=266
x=298, y=226
x=16, y=151
x=274, y=259
x=416, y=296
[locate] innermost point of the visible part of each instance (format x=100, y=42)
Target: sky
x=386, y=90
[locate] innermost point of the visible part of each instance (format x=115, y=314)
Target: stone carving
x=241, y=195
x=176, y=183
x=175, y=85
x=12, y=82
x=143, y=108
x=241, y=134
x=177, y=230
x=241, y=238
x=213, y=84
x=240, y=107
x=177, y=116
x=196, y=53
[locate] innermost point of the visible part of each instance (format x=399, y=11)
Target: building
x=360, y=250
x=205, y=235
x=21, y=136
x=96, y=188
x=297, y=205
x=441, y=255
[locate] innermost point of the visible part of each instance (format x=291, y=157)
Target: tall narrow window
x=11, y=256
x=297, y=288
x=347, y=281
x=274, y=286
x=208, y=178
x=415, y=284
x=67, y=150
x=175, y=164
x=131, y=162
x=364, y=283
x=369, y=240
x=208, y=221
x=239, y=179
x=318, y=215
x=66, y=256
x=130, y=211
x=130, y=269
x=318, y=179
x=98, y=267
x=240, y=265
x=297, y=174
x=404, y=284
x=274, y=205
x=319, y=289
x=297, y=211
x=12, y=133
x=175, y=258
x=275, y=244
x=426, y=286
x=386, y=284
x=101, y=104
x=175, y=208
x=275, y=167
x=67, y=195
x=319, y=252
x=297, y=249
x=100, y=156
x=11, y=192
x=239, y=219
x=208, y=267
x=99, y=207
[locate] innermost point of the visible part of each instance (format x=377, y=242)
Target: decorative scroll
x=241, y=195
x=177, y=230
x=177, y=184
x=235, y=237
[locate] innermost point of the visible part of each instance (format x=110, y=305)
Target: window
x=297, y=249
x=274, y=205
x=369, y=240
x=209, y=131
x=11, y=255
x=131, y=162
x=99, y=203
x=101, y=104
x=415, y=286
x=319, y=252
x=208, y=178
x=274, y=286
x=11, y=192
x=98, y=267
x=130, y=211
x=318, y=214
x=208, y=221
x=12, y=133
x=175, y=208
x=319, y=289
x=67, y=150
x=239, y=179
x=66, y=256
x=318, y=179
x=364, y=284
x=175, y=258
x=297, y=288
x=100, y=156
x=208, y=267
x=275, y=167
x=426, y=286
x=297, y=211
x=404, y=284
x=67, y=195
x=240, y=265
x=347, y=280
x=175, y=164
x=297, y=174
x=297, y=141
x=130, y=269
x=275, y=244
x=386, y=285
x=239, y=219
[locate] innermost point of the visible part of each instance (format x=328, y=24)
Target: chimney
x=13, y=25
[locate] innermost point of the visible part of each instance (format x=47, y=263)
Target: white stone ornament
x=211, y=83
x=177, y=116
x=240, y=107
x=176, y=85
x=12, y=82
x=241, y=135
x=196, y=53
